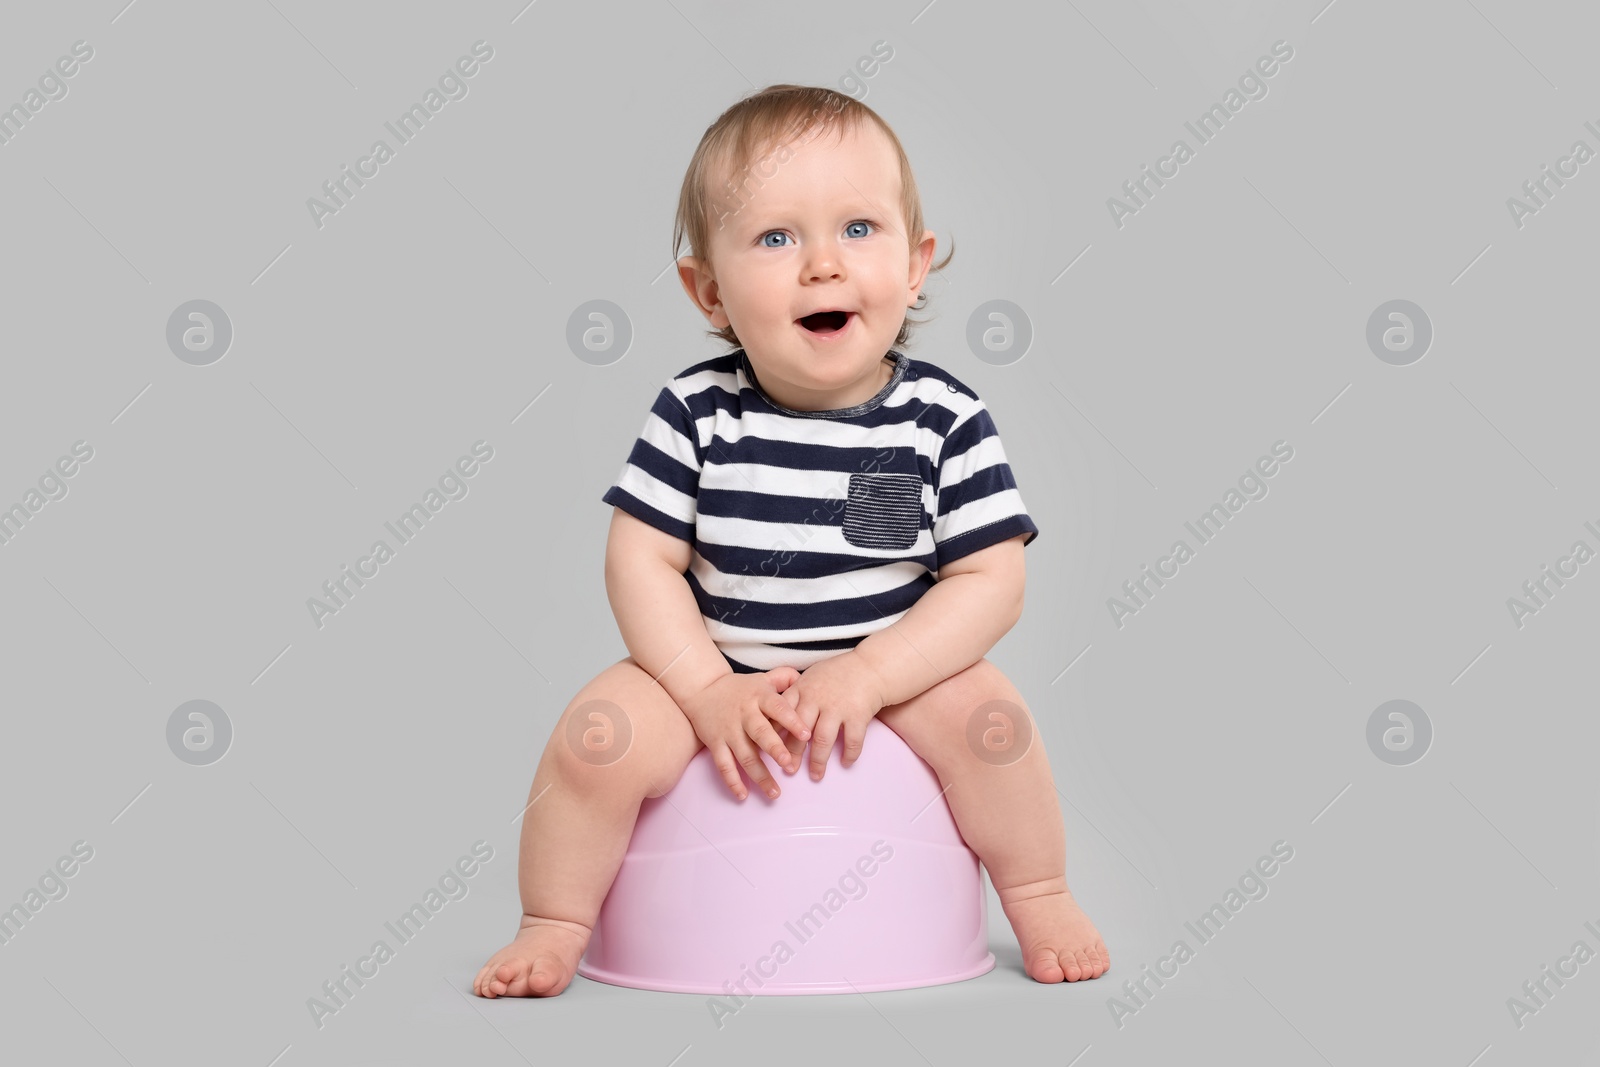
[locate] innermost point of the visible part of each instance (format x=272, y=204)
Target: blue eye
x=848, y=231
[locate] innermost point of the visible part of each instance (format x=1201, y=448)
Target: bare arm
x=952, y=626
x=655, y=609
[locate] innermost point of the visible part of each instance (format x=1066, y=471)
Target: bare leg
x=1008, y=814
x=576, y=830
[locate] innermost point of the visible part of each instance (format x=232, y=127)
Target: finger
x=809, y=711
x=822, y=744
x=783, y=678
x=729, y=769
x=779, y=710
x=855, y=738
x=750, y=760
x=761, y=732
x=795, y=747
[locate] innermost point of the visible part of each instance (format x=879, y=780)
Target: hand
x=731, y=717
x=841, y=692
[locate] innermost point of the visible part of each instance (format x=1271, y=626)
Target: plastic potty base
x=858, y=883
x=600, y=974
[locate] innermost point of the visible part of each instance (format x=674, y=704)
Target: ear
x=701, y=285
x=921, y=260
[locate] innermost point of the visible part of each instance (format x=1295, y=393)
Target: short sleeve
x=660, y=480
x=978, y=501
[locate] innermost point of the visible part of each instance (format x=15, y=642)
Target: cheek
x=888, y=279
x=888, y=295
x=759, y=297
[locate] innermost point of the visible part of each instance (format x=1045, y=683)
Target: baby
x=806, y=227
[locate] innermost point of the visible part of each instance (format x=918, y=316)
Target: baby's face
x=823, y=233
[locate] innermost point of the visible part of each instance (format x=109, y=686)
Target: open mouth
x=826, y=322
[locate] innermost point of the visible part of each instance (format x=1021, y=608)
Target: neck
x=884, y=371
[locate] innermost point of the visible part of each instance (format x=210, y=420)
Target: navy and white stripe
x=813, y=530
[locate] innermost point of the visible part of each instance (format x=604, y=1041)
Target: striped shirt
x=811, y=530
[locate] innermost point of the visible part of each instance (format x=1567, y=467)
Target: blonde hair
x=770, y=119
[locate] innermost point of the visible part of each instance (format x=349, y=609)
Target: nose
x=822, y=263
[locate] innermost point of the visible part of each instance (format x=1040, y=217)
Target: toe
x=1044, y=966
x=544, y=977
x=507, y=977
x=1071, y=965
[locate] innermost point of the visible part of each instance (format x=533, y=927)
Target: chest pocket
x=883, y=510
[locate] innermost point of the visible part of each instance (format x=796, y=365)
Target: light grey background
x=431, y=311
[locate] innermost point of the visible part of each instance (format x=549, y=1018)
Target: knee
x=594, y=739
x=984, y=714
x=952, y=716
x=606, y=739
x=971, y=692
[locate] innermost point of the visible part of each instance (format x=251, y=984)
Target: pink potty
x=859, y=882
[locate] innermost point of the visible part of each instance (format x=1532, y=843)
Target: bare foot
x=1058, y=941
x=539, y=963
